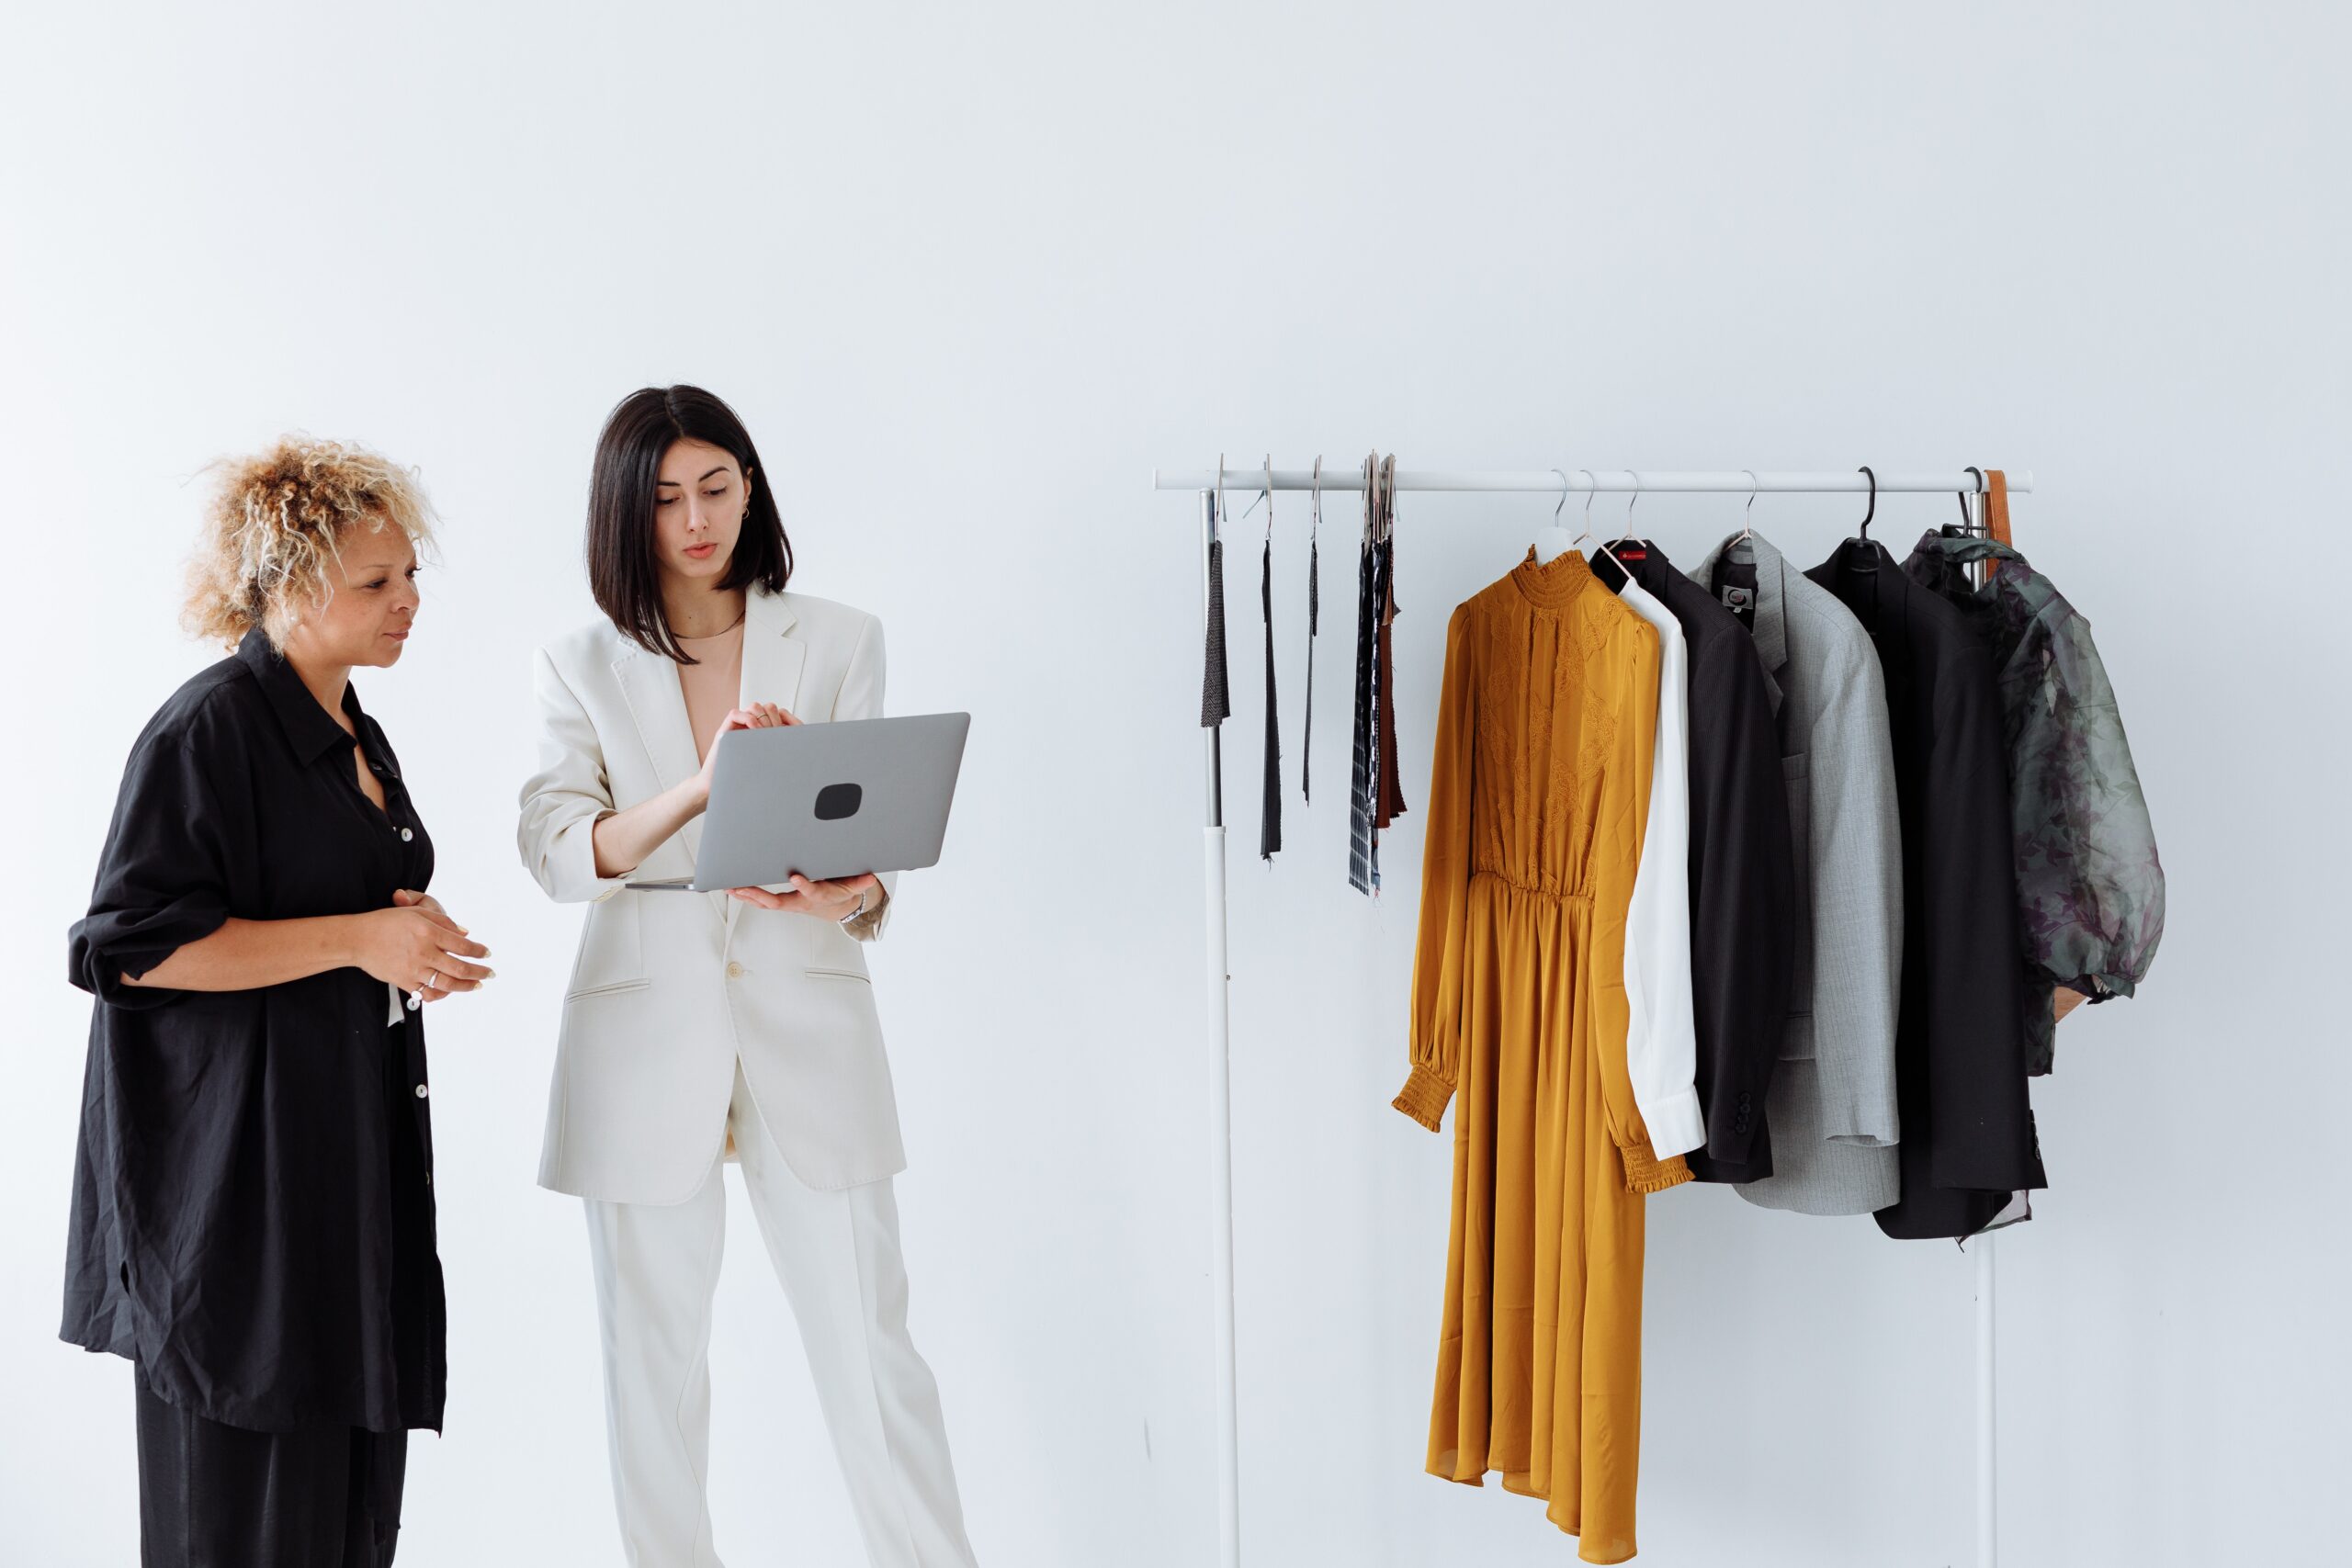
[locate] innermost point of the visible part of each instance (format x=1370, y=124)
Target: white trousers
x=837, y=1255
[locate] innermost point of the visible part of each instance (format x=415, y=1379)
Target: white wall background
x=970, y=274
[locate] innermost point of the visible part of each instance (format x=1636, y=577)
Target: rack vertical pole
x=1987, y=1536
x=1220, y=1032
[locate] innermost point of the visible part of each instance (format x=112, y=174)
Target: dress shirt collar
x=1886, y=612
x=1642, y=559
x=1771, y=625
x=309, y=728
x=1964, y=549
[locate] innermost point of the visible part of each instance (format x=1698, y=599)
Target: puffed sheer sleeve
x=163, y=877
x=2094, y=926
x=1438, y=953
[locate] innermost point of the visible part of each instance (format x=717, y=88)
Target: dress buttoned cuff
x=1424, y=1097
x=1645, y=1172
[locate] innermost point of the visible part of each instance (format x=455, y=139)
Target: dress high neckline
x=1553, y=584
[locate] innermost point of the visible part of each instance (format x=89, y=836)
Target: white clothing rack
x=1576, y=480
x=1207, y=483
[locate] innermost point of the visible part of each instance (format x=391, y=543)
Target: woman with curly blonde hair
x=253, y=1219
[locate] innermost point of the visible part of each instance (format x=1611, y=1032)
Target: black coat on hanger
x=1968, y=1139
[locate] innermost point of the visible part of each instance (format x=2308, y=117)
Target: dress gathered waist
x=1490, y=873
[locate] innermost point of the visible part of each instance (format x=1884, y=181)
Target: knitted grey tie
x=1216, y=703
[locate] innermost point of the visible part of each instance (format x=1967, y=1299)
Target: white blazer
x=670, y=989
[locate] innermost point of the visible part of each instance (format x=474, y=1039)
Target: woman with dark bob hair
x=698, y=1027
x=252, y=1218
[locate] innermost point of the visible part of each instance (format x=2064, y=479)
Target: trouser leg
x=379, y=1474
x=218, y=1496
x=838, y=1258
x=656, y=1267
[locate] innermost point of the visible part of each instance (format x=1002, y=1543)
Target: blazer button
x=406, y=835
x=734, y=971
x=422, y=1091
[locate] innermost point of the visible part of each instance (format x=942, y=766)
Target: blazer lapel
x=650, y=684
x=771, y=654
x=772, y=660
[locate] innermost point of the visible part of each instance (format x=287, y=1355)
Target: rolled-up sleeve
x=164, y=878
x=861, y=697
x=563, y=801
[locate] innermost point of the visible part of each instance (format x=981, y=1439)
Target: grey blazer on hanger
x=1832, y=1103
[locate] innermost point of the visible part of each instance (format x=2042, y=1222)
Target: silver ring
x=432, y=980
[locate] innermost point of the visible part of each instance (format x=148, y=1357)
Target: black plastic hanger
x=1860, y=554
x=1966, y=528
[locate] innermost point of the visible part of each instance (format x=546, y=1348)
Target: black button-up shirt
x=1743, y=876
x=253, y=1216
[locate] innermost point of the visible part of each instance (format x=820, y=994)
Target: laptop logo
x=838, y=800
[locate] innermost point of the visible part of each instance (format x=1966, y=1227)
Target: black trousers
x=216, y=1496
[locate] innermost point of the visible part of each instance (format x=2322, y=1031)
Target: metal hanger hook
x=1636, y=501
x=1865, y=471
x=1968, y=518
x=1591, y=489
x=1266, y=494
x=1315, y=498
x=1748, y=514
x=1564, y=497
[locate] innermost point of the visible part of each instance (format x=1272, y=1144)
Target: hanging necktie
x=1363, y=872
x=1313, y=578
x=1217, y=702
x=1390, y=790
x=1270, y=816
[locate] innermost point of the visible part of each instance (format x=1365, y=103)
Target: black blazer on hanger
x=1968, y=1140
x=1743, y=878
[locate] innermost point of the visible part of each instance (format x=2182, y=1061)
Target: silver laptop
x=826, y=801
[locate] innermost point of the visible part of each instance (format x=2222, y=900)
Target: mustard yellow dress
x=1538, y=798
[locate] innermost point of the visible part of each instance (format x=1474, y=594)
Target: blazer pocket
x=819, y=972
x=1796, y=778
x=612, y=950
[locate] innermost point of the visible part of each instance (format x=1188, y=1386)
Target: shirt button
x=734, y=971
x=406, y=835
x=422, y=1091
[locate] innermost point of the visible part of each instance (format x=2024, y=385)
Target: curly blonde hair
x=275, y=521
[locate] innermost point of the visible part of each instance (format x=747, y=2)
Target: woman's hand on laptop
x=833, y=900
x=759, y=715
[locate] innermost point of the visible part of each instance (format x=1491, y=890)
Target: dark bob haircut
x=623, y=570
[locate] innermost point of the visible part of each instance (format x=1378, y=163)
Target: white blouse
x=1661, y=1036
